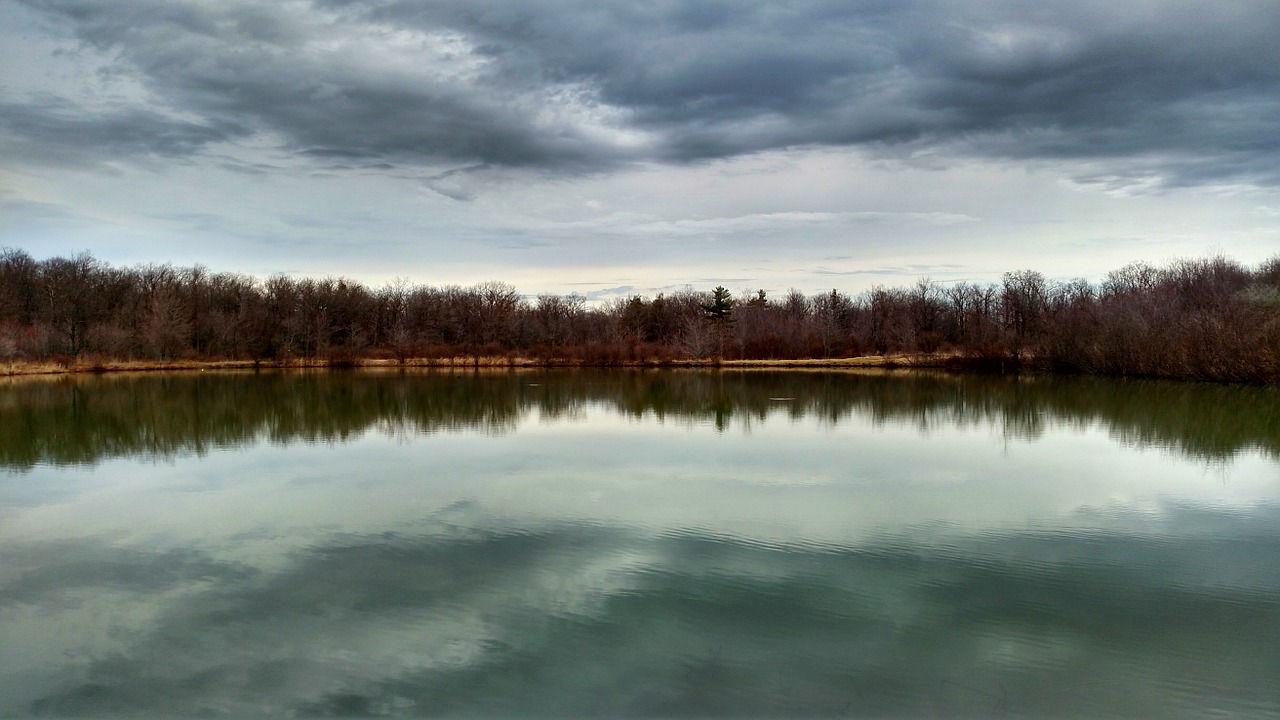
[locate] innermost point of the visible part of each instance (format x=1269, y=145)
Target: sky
x=613, y=148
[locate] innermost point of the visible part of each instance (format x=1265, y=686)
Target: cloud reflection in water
x=595, y=546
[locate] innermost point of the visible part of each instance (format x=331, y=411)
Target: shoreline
x=24, y=368
x=948, y=362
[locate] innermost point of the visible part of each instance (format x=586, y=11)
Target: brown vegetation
x=1210, y=319
x=96, y=365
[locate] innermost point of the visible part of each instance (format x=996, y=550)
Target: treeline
x=1209, y=318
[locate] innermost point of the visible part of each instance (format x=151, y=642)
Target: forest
x=1206, y=319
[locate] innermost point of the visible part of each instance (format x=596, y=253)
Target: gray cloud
x=55, y=131
x=1179, y=92
x=606, y=293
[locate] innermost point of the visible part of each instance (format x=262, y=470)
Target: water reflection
x=637, y=544
x=85, y=420
x=583, y=621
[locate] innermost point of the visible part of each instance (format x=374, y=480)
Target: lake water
x=638, y=544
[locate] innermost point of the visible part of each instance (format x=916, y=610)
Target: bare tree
x=19, y=282
x=70, y=298
x=1024, y=301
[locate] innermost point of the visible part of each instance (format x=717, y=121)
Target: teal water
x=638, y=544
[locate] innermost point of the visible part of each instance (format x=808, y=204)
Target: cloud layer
x=1179, y=93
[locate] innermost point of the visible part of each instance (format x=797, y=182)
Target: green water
x=638, y=544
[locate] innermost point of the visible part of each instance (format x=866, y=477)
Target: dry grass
x=896, y=360
x=24, y=368
x=31, y=368
x=20, y=368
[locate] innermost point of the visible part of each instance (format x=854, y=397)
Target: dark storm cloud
x=56, y=131
x=1180, y=92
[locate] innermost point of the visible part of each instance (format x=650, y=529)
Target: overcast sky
x=608, y=147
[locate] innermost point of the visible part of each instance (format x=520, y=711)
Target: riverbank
x=80, y=366
x=954, y=362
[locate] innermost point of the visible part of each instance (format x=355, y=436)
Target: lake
x=577, y=543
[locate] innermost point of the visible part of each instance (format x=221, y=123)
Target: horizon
x=603, y=300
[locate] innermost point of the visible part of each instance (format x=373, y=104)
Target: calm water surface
x=638, y=544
